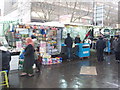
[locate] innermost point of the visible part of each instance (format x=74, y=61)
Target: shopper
x=28, y=58
x=118, y=50
x=69, y=42
x=115, y=44
x=111, y=43
x=6, y=58
x=100, y=45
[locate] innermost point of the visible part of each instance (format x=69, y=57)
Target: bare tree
x=77, y=11
x=45, y=8
x=111, y=17
x=62, y=8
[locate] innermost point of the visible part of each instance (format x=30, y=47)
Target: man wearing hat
x=100, y=45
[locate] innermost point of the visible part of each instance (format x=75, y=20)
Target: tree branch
x=73, y=11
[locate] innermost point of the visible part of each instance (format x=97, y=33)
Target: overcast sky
x=2, y=4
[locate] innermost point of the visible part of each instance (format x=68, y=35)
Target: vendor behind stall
x=77, y=39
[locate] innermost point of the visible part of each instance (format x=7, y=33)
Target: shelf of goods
x=48, y=41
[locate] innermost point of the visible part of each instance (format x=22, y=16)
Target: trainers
x=68, y=60
x=37, y=71
x=118, y=61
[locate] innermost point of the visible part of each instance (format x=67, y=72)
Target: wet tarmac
x=67, y=75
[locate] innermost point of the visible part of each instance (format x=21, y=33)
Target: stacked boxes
x=49, y=61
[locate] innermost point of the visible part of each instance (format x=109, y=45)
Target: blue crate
x=83, y=51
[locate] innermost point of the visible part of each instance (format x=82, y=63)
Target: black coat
x=118, y=46
x=6, y=58
x=77, y=40
x=100, y=44
x=29, y=57
x=69, y=42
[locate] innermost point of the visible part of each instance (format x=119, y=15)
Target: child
x=38, y=61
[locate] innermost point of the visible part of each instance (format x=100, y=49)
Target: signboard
x=23, y=30
x=85, y=52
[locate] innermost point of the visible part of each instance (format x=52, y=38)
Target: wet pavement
x=67, y=75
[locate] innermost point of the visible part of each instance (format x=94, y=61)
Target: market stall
x=74, y=30
x=47, y=40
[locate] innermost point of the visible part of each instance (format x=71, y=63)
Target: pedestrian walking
x=69, y=42
x=115, y=44
x=28, y=58
x=118, y=50
x=111, y=43
x=100, y=45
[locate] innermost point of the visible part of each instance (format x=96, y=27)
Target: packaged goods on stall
x=21, y=59
x=18, y=44
x=45, y=39
x=49, y=61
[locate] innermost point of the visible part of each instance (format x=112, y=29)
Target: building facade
x=87, y=13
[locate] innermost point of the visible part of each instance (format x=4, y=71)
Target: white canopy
x=54, y=24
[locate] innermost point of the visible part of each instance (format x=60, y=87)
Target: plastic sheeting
x=74, y=31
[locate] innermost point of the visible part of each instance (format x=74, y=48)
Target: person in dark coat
x=6, y=58
x=69, y=42
x=77, y=39
x=111, y=43
x=115, y=47
x=118, y=50
x=100, y=45
x=28, y=58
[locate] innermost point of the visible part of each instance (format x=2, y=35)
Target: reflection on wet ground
x=67, y=75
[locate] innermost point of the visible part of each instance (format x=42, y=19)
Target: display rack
x=47, y=39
